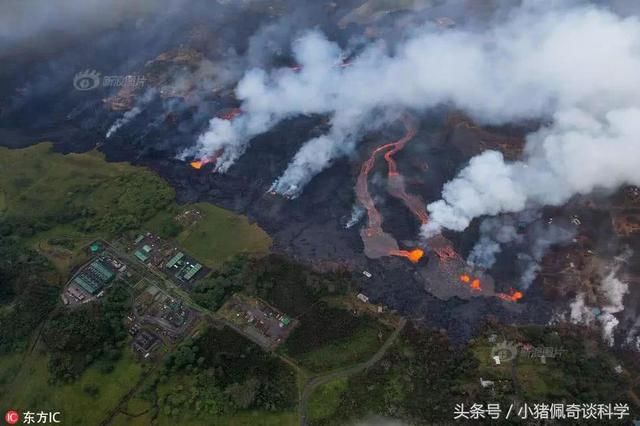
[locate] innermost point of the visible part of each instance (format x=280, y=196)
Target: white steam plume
x=577, y=65
x=267, y=100
x=525, y=234
x=128, y=116
x=578, y=154
x=611, y=293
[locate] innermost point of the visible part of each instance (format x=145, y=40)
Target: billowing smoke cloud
x=578, y=154
x=610, y=295
x=526, y=234
x=270, y=99
x=575, y=65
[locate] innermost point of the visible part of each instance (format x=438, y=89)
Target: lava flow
x=474, y=283
x=226, y=115
x=414, y=255
x=198, y=164
x=377, y=242
x=396, y=184
x=512, y=296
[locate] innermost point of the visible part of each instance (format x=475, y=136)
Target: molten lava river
x=378, y=243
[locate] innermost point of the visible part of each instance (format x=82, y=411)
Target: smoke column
x=128, y=116
x=525, y=234
x=574, y=66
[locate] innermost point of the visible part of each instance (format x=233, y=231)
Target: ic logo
x=86, y=80
x=12, y=417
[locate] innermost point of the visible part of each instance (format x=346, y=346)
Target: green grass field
x=41, y=186
x=24, y=386
x=328, y=338
x=344, y=352
x=37, y=181
x=222, y=234
x=3, y=202
x=325, y=399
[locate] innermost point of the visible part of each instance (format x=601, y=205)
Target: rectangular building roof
x=194, y=269
x=175, y=259
x=140, y=255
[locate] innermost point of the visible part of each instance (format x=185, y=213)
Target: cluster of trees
x=212, y=291
x=28, y=292
x=113, y=206
x=76, y=338
x=323, y=325
x=584, y=365
x=221, y=373
x=417, y=381
x=290, y=286
x=125, y=202
x=169, y=228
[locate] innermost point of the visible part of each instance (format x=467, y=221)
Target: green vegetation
x=214, y=290
x=26, y=384
x=329, y=338
x=219, y=375
x=583, y=371
x=222, y=234
x=82, y=191
x=28, y=292
x=417, y=381
x=75, y=338
x=3, y=202
x=422, y=377
x=74, y=198
x=326, y=399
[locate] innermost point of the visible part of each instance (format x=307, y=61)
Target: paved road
x=325, y=378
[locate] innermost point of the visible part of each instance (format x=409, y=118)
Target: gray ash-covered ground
x=39, y=104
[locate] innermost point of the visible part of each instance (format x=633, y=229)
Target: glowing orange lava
x=413, y=255
x=474, y=283
x=198, y=164
x=374, y=237
x=227, y=115
x=512, y=296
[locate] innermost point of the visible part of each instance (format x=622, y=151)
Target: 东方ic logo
x=12, y=417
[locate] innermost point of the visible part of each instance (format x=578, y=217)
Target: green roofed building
x=191, y=271
x=93, y=277
x=141, y=256
x=285, y=320
x=174, y=260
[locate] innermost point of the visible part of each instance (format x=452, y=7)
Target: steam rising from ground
x=128, y=116
x=611, y=294
x=525, y=234
x=575, y=66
